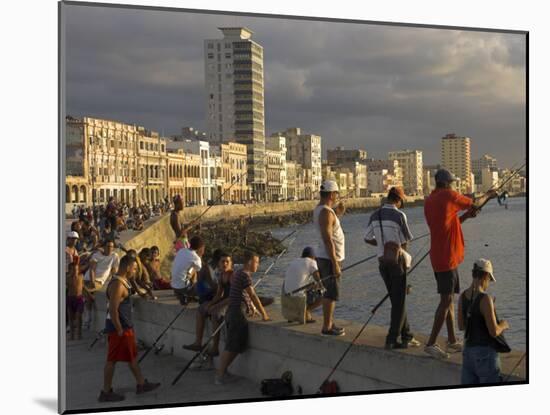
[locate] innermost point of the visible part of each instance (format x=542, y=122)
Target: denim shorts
x=480, y=364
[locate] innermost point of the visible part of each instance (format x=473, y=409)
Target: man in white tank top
x=330, y=253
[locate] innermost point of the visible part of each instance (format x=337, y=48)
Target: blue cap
x=444, y=176
x=308, y=252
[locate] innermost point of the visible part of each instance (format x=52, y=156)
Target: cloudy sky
x=374, y=87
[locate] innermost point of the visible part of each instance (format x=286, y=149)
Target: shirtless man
x=119, y=326
x=179, y=229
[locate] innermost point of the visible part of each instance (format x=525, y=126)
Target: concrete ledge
x=277, y=346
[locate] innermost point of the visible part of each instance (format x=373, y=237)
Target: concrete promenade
x=85, y=379
x=274, y=347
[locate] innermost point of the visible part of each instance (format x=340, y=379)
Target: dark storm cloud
x=374, y=87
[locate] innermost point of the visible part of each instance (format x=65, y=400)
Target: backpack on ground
x=278, y=387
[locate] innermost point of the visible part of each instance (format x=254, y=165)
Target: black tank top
x=124, y=309
x=477, y=333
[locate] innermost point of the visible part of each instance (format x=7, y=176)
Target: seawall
x=160, y=233
x=278, y=346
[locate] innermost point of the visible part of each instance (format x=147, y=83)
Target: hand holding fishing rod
x=490, y=194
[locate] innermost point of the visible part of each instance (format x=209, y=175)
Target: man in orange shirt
x=441, y=210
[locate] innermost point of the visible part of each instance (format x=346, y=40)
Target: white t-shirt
x=106, y=265
x=184, y=262
x=299, y=273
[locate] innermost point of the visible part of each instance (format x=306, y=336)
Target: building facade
x=489, y=179
x=234, y=171
x=411, y=164
x=176, y=174
x=486, y=161
x=305, y=149
x=234, y=80
x=355, y=173
x=202, y=149
x=455, y=157
x=339, y=155
x=380, y=181
x=193, y=183
x=102, y=161
x=394, y=171
x=152, y=153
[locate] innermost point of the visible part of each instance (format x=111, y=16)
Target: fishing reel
x=502, y=198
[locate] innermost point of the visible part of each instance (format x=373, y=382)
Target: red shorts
x=122, y=348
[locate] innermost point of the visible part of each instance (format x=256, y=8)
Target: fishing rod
x=312, y=284
x=148, y=350
x=205, y=345
x=99, y=335
x=512, y=175
x=373, y=312
x=144, y=355
x=515, y=367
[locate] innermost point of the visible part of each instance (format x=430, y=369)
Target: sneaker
x=435, y=351
x=413, y=343
x=338, y=329
x=194, y=347
x=454, y=347
x=394, y=346
x=146, y=387
x=334, y=331
x=110, y=396
x=219, y=380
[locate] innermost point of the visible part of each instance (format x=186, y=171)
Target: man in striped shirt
x=235, y=320
x=389, y=225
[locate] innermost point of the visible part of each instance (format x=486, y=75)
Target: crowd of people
x=225, y=293
x=120, y=216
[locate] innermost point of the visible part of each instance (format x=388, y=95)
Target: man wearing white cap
x=477, y=316
x=71, y=253
x=330, y=253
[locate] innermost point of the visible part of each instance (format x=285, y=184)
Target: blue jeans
x=480, y=364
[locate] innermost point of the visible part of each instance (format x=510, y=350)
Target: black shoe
x=110, y=397
x=146, y=387
x=333, y=332
x=394, y=346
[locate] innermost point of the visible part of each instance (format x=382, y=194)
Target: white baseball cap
x=72, y=234
x=484, y=265
x=329, y=186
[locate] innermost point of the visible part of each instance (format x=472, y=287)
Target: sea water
x=497, y=234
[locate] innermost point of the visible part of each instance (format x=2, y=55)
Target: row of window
x=227, y=56
x=151, y=146
x=186, y=171
x=227, y=45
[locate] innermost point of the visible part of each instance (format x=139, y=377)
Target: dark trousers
x=396, y=283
